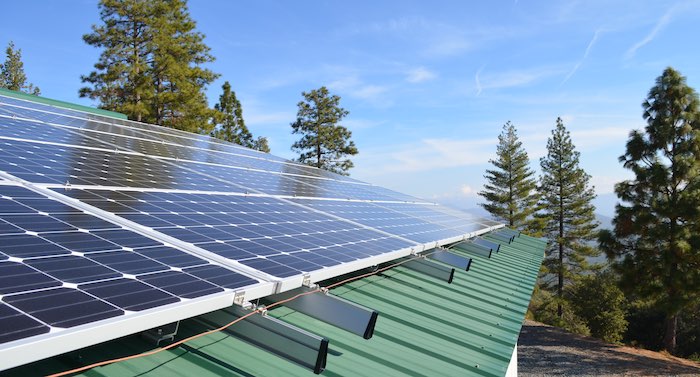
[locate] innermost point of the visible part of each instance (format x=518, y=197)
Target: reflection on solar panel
x=115, y=227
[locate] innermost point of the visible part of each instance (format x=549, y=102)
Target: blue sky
x=428, y=84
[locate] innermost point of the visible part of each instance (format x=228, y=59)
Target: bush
x=544, y=309
x=598, y=301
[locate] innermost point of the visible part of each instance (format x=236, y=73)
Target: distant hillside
x=605, y=221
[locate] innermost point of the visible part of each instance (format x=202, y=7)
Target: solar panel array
x=103, y=218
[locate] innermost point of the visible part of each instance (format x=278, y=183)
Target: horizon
x=428, y=87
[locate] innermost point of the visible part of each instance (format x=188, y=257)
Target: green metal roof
x=57, y=103
x=426, y=327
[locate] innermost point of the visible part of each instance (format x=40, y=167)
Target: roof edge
x=64, y=104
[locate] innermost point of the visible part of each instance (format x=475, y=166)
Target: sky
x=428, y=85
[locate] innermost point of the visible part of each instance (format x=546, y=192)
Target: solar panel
x=272, y=235
x=61, y=268
x=116, y=226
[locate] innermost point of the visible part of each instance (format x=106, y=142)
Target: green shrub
x=598, y=301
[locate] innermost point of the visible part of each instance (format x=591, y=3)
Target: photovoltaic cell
x=17, y=325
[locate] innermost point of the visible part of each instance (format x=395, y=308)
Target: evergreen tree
x=121, y=81
x=324, y=142
x=566, y=212
x=511, y=189
x=12, y=74
x=230, y=125
x=150, y=67
x=655, y=243
x=261, y=144
x=177, y=72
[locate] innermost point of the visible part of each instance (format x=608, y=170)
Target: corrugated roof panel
x=425, y=328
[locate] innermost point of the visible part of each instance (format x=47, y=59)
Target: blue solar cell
x=73, y=269
x=170, y=256
x=129, y=262
x=84, y=221
x=46, y=205
x=219, y=276
x=7, y=228
x=126, y=238
x=11, y=207
x=18, y=277
x=129, y=294
x=16, y=325
x=28, y=246
x=271, y=267
x=181, y=284
x=63, y=307
x=37, y=223
x=80, y=241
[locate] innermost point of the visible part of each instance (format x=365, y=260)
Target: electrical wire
x=219, y=329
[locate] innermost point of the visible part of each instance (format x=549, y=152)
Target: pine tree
x=230, y=124
x=121, y=81
x=12, y=74
x=567, y=213
x=177, y=72
x=151, y=63
x=511, y=189
x=261, y=144
x=655, y=243
x=324, y=142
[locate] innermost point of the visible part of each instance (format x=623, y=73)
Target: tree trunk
x=560, y=285
x=671, y=325
x=135, y=79
x=318, y=144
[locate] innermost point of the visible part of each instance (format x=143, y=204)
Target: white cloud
x=660, y=25
x=467, y=190
x=585, y=55
x=448, y=45
x=605, y=184
x=355, y=87
x=513, y=78
x=368, y=91
x=420, y=74
x=477, y=81
x=427, y=155
x=347, y=82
